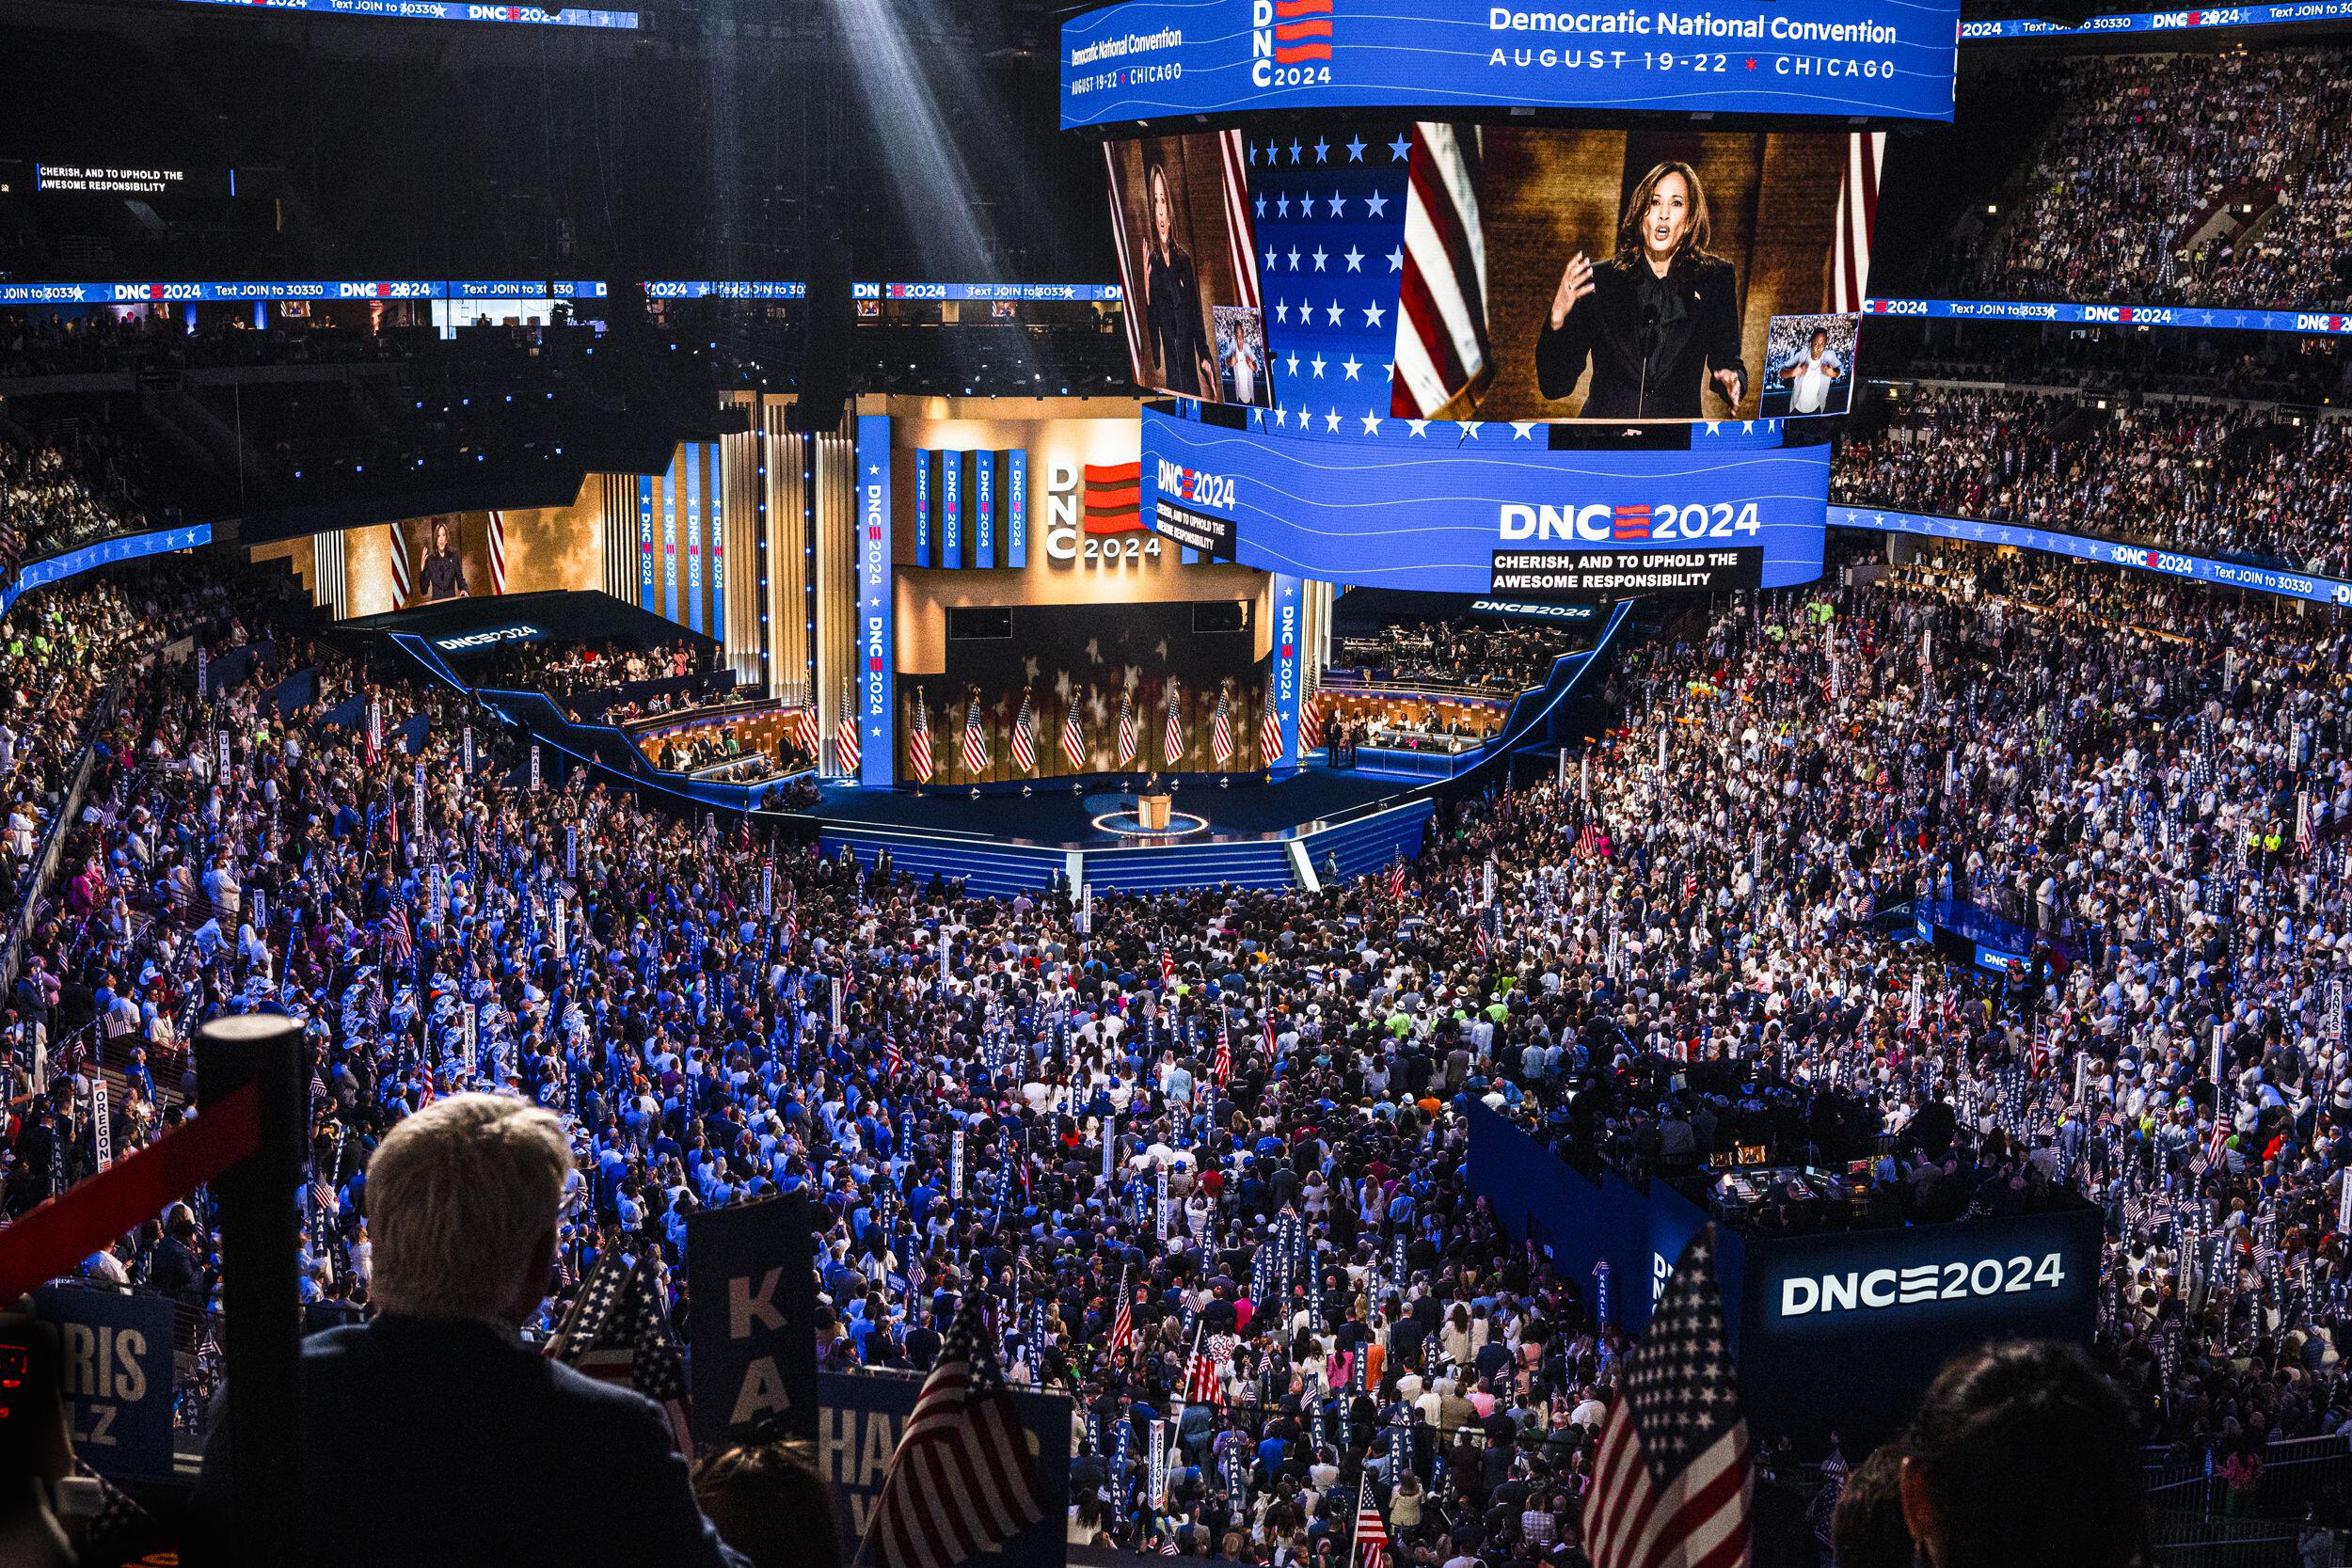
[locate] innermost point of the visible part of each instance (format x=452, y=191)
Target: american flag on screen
x=403, y=578
x=919, y=741
x=1672, y=1480
x=1857, y=218
x=1442, y=357
x=1327, y=210
x=963, y=1482
x=618, y=1330
x=497, y=552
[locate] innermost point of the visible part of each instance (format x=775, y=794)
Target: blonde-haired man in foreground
x=434, y=1435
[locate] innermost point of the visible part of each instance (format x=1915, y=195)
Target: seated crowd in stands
x=2144, y=150
x=2214, y=479
x=2098, y=756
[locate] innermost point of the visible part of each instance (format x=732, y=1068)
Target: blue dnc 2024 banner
x=1479, y=509
x=2113, y=552
x=1147, y=59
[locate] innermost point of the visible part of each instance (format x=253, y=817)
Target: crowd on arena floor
x=2145, y=149
x=2212, y=478
x=2140, y=769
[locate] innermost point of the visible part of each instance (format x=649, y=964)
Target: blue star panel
x=1329, y=206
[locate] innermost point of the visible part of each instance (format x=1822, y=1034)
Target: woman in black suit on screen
x=1659, y=320
x=1171, y=303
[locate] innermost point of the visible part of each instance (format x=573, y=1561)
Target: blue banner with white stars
x=1330, y=220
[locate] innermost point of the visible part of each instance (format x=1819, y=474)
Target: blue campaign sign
x=446, y=10
x=1479, y=509
x=1148, y=59
x=115, y=1363
x=2114, y=552
x=2198, y=316
x=877, y=653
x=2160, y=21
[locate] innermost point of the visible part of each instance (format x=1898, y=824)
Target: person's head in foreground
x=463, y=1195
x=2023, y=1456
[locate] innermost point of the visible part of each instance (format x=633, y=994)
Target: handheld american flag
x=961, y=1482
x=617, y=1332
x=1371, y=1532
x=1672, y=1480
x=1224, y=1047
x=1123, y=1325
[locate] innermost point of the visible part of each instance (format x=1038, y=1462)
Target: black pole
x=260, y=1305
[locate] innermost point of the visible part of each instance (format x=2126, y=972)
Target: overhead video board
x=1150, y=60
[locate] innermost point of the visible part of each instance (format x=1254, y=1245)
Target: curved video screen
x=1148, y=59
x=1503, y=514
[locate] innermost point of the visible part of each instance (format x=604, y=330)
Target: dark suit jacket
x=430, y=1444
x=1697, y=332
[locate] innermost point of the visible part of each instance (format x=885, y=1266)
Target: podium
x=1152, y=811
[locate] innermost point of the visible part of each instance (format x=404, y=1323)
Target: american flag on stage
x=1442, y=361
x=1024, y=741
x=919, y=741
x=1673, y=1477
x=1123, y=1325
x=804, y=728
x=1372, y=1531
x=1224, y=1047
x=975, y=739
x=1221, y=730
x=1172, y=737
x=497, y=552
x=846, y=752
x=1073, y=741
x=1269, y=730
x=1857, y=216
x=961, y=1482
x=404, y=575
x=1310, y=721
x=619, y=1331
x=1127, y=728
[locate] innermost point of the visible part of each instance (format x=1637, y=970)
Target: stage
x=1294, y=833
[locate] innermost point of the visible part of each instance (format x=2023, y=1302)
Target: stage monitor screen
x=1151, y=59
x=1189, y=267
x=1620, y=276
